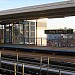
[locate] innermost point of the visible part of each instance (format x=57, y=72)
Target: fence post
x=17, y=57
x=40, y=64
x=23, y=69
x=17, y=61
x=48, y=64
x=59, y=72
x=15, y=69
x=0, y=59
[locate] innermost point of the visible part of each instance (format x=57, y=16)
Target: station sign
x=61, y=31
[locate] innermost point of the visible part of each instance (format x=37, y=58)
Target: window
x=33, y=34
x=32, y=23
x=27, y=28
x=32, y=28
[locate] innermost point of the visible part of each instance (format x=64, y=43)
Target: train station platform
x=36, y=47
x=40, y=49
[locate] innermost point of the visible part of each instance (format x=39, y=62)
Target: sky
x=61, y=23
x=56, y=23
x=9, y=4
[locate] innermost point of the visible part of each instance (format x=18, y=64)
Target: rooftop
x=50, y=10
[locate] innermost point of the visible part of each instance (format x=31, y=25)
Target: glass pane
x=27, y=40
x=32, y=40
x=32, y=23
x=27, y=34
x=33, y=34
x=27, y=23
x=27, y=28
x=32, y=28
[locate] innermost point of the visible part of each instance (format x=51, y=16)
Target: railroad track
x=63, y=58
x=34, y=59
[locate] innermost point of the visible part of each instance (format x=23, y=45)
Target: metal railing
x=41, y=66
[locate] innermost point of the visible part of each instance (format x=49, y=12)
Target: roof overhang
x=51, y=10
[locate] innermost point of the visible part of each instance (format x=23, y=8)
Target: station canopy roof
x=50, y=10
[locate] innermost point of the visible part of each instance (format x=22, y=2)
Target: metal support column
x=17, y=61
x=41, y=41
x=36, y=32
x=59, y=72
x=29, y=32
x=0, y=59
x=48, y=65
x=19, y=31
x=4, y=34
x=24, y=32
x=12, y=33
x=9, y=33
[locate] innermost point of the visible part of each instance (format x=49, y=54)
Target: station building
x=24, y=32
x=17, y=27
